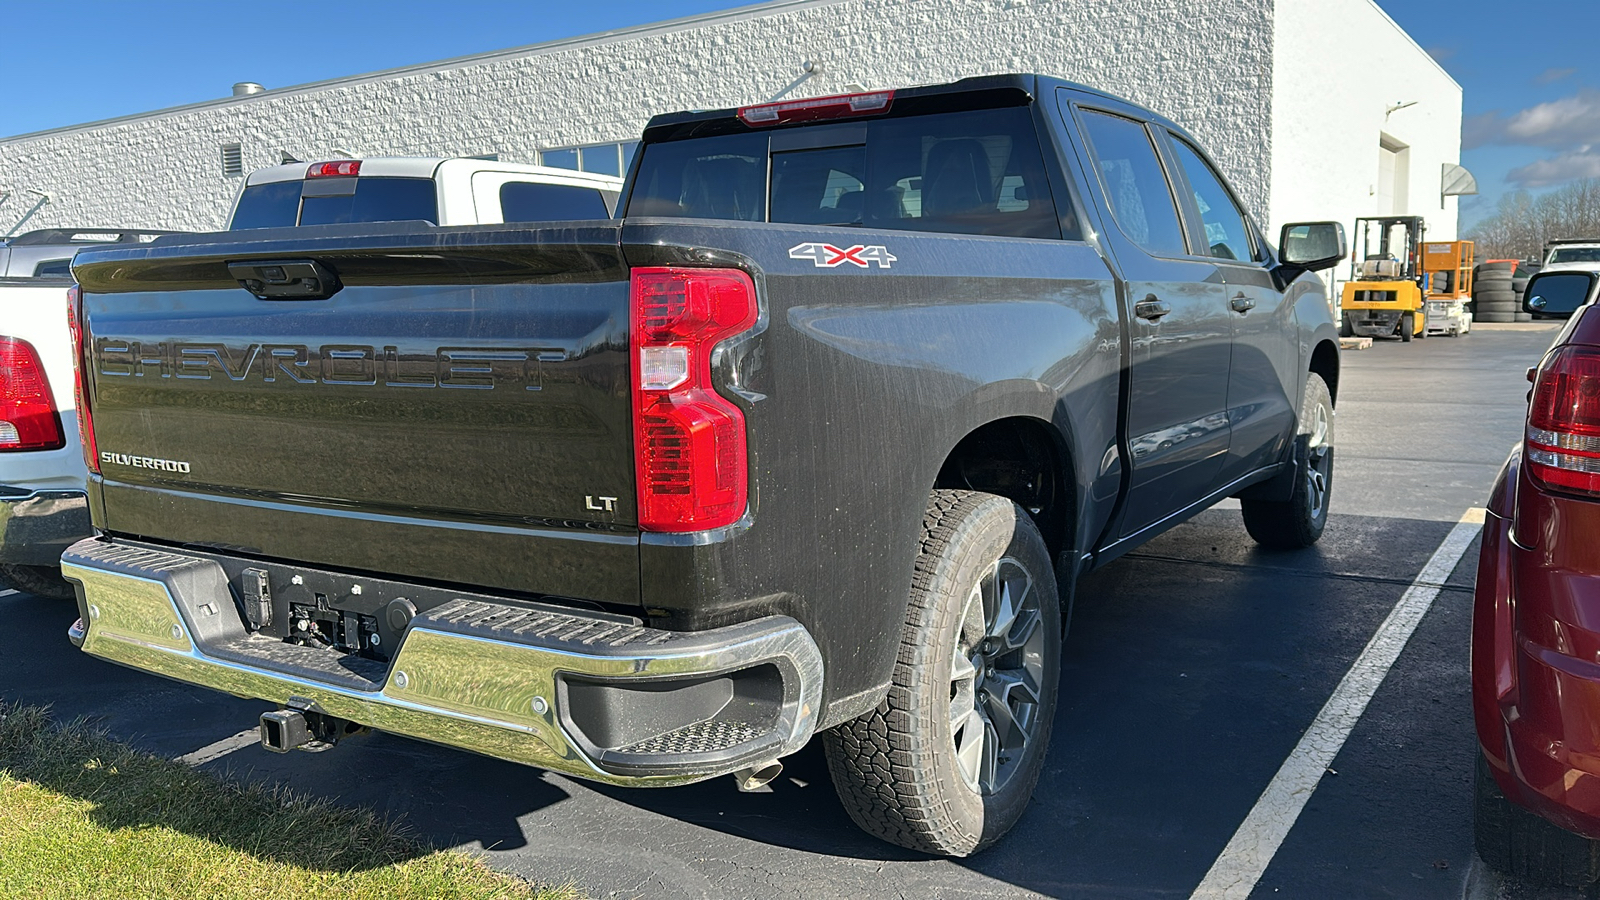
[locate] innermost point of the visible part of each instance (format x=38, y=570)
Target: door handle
x=1151, y=308
x=1240, y=303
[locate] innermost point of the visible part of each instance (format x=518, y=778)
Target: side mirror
x=1311, y=246
x=1557, y=295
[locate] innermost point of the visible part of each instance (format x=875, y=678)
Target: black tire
x=41, y=581
x=1345, y=328
x=1517, y=842
x=1494, y=317
x=1299, y=521
x=1408, y=326
x=1491, y=296
x=1522, y=317
x=898, y=769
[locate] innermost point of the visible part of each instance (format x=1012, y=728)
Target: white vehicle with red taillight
x=42, y=471
x=42, y=503
x=442, y=191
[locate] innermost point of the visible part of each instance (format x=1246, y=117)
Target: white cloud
x=1583, y=162
x=1556, y=125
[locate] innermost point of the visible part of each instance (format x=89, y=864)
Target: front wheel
x=1345, y=328
x=948, y=761
x=1408, y=327
x=1298, y=521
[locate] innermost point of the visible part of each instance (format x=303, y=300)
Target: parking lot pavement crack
x=1301, y=573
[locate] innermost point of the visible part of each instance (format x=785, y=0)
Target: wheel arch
x=1325, y=362
x=1026, y=460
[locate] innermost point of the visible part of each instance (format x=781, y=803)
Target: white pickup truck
x=42, y=470
x=453, y=191
x=42, y=505
x=1572, y=253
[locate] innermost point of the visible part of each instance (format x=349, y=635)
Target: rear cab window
x=968, y=172
x=374, y=199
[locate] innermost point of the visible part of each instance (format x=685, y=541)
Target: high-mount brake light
x=80, y=391
x=28, y=419
x=1563, y=443
x=837, y=106
x=343, y=167
x=690, y=451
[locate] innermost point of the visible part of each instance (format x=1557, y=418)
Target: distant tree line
x=1522, y=222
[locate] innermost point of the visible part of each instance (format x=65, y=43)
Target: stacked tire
x=1519, y=285
x=1495, y=295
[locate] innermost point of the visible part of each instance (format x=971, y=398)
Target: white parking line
x=1235, y=873
x=6, y=593
x=221, y=748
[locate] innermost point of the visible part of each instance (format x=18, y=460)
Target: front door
x=1264, y=378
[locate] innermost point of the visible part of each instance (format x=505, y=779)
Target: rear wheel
x=42, y=581
x=1345, y=328
x=1408, y=327
x=948, y=761
x=1299, y=521
x=1515, y=841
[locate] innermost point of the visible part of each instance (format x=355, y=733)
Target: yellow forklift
x=1384, y=296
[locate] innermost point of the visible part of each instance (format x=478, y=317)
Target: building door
x=1394, y=175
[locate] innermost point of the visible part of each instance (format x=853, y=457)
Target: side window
x=528, y=201
x=1135, y=185
x=1226, y=234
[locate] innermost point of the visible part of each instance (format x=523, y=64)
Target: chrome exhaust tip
x=754, y=778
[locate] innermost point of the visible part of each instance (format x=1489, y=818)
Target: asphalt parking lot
x=1193, y=668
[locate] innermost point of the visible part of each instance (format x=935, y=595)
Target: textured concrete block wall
x=1205, y=63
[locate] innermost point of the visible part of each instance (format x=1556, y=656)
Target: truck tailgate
x=458, y=411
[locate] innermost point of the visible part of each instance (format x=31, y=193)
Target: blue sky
x=1528, y=69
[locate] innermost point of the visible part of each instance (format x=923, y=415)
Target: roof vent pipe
x=246, y=88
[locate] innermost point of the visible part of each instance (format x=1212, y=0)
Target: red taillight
x=28, y=419
x=330, y=169
x=1563, y=449
x=80, y=391
x=835, y=107
x=689, y=442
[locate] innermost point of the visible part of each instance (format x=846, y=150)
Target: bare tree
x=1522, y=222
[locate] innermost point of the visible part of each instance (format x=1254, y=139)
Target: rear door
x=1181, y=330
x=1263, y=378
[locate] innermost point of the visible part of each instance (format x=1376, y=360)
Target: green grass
x=84, y=816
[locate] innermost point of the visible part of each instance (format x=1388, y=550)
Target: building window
x=560, y=159
x=605, y=159
x=232, y=160
x=601, y=159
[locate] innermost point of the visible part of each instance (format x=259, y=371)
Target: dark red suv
x=1536, y=614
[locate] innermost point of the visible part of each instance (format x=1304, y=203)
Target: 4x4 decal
x=827, y=256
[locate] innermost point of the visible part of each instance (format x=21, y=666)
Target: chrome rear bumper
x=36, y=526
x=550, y=687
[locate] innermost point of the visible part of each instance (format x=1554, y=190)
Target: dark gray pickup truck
x=816, y=438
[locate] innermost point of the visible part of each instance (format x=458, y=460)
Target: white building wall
x=1338, y=65
x=1207, y=64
